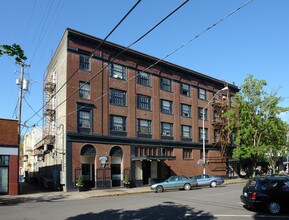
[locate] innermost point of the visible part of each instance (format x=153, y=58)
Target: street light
x=204, y=144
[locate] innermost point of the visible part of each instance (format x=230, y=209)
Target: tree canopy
x=13, y=50
x=260, y=132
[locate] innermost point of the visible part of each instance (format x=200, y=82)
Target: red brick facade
x=9, y=149
x=153, y=147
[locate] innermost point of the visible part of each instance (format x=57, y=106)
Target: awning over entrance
x=152, y=158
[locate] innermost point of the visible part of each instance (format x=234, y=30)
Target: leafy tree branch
x=13, y=50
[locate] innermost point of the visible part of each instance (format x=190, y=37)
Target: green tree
x=13, y=50
x=258, y=128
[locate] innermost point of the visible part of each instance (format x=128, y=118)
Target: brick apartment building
x=9, y=163
x=108, y=116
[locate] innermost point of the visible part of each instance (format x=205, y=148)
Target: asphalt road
x=200, y=203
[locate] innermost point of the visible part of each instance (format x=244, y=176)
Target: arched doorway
x=116, y=154
x=88, y=154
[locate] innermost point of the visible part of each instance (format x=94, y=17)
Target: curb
x=92, y=194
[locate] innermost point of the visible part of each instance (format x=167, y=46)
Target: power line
x=98, y=46
x=49, y=4
x=124, y=50
x=31, y=107
x=48, y=39
x=90, y=57
x=43, y=31
x=14, y=113
x=169, y=54
x=30, y=18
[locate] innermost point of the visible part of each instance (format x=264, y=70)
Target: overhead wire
x=51, y=30
x=15, y=109
x=29, y=21
x=124, y=50
x=90, y=56
x=49, y=5
x=98, y=46
x=169, y=54
x=31, y=107
x=45, y=28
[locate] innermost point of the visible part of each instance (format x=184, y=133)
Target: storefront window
x=4, y=160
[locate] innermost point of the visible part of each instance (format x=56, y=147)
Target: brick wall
x=8, y=132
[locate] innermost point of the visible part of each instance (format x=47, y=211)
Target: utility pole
x=21, y=87
x=23, y=65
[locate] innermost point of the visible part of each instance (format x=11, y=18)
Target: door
x=202, y=180
x=171, y=182
x=146, y=171
x=115, y=174
x=88, y=175
x=3, y=180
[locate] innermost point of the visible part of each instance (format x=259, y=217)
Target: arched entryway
x=88, y=154
x=116, y=155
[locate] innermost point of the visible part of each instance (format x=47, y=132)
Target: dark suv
x=271, y=193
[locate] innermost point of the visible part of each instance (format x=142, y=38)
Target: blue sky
x=254, y=40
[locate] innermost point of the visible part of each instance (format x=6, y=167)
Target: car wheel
x=187, y=186
x=159, y=189
x=274, y=207
x=213, y=184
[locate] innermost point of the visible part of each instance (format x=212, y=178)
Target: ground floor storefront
x=108, y=162
x=8, y=171
x=115, y=163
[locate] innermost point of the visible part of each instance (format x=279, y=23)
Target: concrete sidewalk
x=36, y=195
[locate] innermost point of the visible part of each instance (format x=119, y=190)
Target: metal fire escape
x=221, y=134
x=49, y=112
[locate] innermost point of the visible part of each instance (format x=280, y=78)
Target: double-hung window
x=201, y=135
x=186, y=131
x=117, y=71
x=117, y=123
x=200, y=114
x=143, y=102
x=117, y=97
x=84, y=118
x=143, y=126
x=166, y=129
x=185, y=110
x=166, y=84
x=84, y=62
x=84, y=90
x=143, y=78
x=166, y=106
x=185, y=89
x=202, y=94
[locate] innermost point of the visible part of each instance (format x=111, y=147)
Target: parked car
x=208, y=180
x=174, y=182
x=269, y=193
